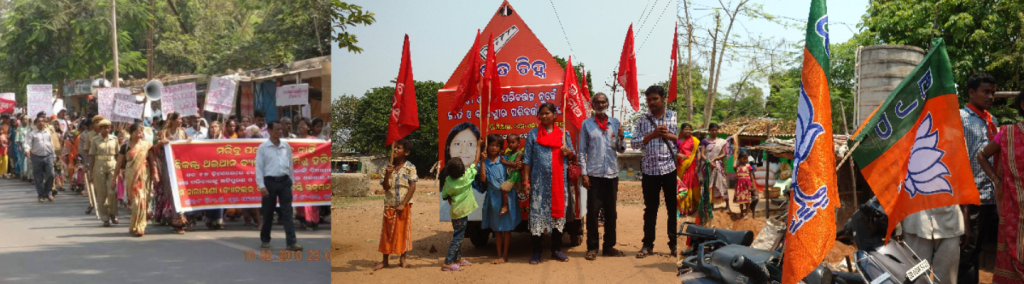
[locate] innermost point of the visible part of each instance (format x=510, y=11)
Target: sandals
x=591, y=255
x=535, y=259
x=644, y=252
x=613, y=252
x=465, y=263
x=454, y=267
x=559, y=256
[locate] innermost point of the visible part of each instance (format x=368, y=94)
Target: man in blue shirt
x=600, y=141
x=981, y=221
x=655, y=134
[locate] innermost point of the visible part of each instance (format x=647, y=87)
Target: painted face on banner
x=464, y=147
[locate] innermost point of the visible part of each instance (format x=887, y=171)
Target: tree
x=743, y=99
x=579, y=75
x=343, y=115
x=371, y=123
x=345, y=15
x=980, y=36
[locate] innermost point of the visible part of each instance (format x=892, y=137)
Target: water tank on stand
x=881, y=68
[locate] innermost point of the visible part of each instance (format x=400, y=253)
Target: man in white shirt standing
x=39, y=146
x=274, y=177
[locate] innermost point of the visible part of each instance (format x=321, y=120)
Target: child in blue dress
x=496, y=216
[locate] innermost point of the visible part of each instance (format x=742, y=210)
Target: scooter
x=878, y=262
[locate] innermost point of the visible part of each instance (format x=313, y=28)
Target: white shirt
x=38, y=142
x=192, y=133
x=273, y=161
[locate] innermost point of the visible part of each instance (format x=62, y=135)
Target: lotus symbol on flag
x=807, y=132
x=926, y=172
x=821, y=28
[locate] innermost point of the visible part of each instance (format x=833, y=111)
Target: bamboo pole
x=767, y=202
x=853, y=172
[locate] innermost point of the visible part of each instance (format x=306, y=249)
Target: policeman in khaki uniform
x=87, y=136
x=103, y=153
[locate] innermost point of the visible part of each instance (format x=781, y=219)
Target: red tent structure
x=530, y=76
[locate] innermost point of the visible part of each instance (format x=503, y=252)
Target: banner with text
x=107, y=97
x=220, y=97
x=128, y=111
x=290, y=95
x=7, y=103
x=40, y=98
x=179, y=98
x=214, y=174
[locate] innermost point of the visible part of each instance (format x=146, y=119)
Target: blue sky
x=440, y=33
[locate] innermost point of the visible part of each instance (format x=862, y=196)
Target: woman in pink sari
x=688, y=194
x=1008, y=146
x=715, y=151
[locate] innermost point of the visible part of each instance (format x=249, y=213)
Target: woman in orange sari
x=137, y=168
x=689, y=188
x=1008, y=145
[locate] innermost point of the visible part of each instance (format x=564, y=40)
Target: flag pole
x=487, y=128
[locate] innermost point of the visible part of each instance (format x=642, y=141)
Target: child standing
x=513, y=161
x=399, y=185
x=458, y=181
x=502, y=222
x=745, y=186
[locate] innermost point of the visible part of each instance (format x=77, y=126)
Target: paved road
x=57, y=243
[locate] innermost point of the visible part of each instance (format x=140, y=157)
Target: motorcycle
x=877, y=261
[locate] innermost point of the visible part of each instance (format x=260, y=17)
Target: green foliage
x=579, y=74
x=743, y=99
x=980, y=36
x=785, y=87
x=369, y=130
x=343, y=116
x=345, y=15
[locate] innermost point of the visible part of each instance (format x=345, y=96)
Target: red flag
x=492, y=77
x=672, y=82
x=404, y=117
x=586, y=91
x=574, y=109
x=627, y=71
x=467, y=86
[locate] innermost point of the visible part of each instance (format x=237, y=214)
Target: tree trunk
x=709, y=101
x=177, y=16
x=716, y=74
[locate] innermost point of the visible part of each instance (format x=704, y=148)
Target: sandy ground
x=355, y=243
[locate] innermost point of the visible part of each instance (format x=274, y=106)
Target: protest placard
x=179, y=98
x=105, y=100
x=220, y=96
x=40, y=98
x=7, y=102
x=290, y=95
x=216, y=174
x=128, y=110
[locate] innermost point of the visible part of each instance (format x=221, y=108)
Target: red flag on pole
x=586, y=91
x=672, y=82
x=470, y=76
x=404, y=117
x=574, y=109
x=492, y=77
x=627, y=71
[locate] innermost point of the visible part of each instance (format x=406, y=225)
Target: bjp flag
x=812, y=219
x=912, y=149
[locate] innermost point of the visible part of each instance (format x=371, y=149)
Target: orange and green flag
x=812, y=220
x=912, y=149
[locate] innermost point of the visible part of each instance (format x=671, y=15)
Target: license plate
x=918, y=270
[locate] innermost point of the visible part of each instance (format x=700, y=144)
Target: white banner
x=7, y=96
x=179, y=98
x=220, y=96
x=290, y=95
x=105, y=100
x=128, y=110
x=40, y=98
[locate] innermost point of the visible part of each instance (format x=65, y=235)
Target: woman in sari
x=1008, y=145
x=309, y=216
x=715, y=150
x=14, y=153
x=26, y=163
x=689, y=188
x=137, y=167
x=173, y=131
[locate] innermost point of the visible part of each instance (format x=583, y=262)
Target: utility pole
x=149, y=43
x=113, y=35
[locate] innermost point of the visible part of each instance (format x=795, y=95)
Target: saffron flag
x=627, y=71
x=912, y=149
x=672, y=81
x=492, y=78
x=405, y=117
x=812, y=219
x=470, y=77
x=574, y=110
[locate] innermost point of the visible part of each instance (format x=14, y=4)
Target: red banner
x=7, y=106
x=222, y=174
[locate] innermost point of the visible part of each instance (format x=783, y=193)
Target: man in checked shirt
x=659, y=132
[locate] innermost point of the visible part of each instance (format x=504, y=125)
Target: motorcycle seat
x=744, y=238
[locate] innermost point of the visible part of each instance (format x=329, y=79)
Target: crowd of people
x=122, y=165
x=678, y=166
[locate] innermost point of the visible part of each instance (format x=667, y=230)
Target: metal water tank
x=882, y=67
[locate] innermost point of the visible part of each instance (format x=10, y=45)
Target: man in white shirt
x=195, y=129
x=260, y=120
x=274, y=175
x=39, y=146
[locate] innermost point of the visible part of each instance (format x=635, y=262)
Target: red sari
x=1009, y=252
